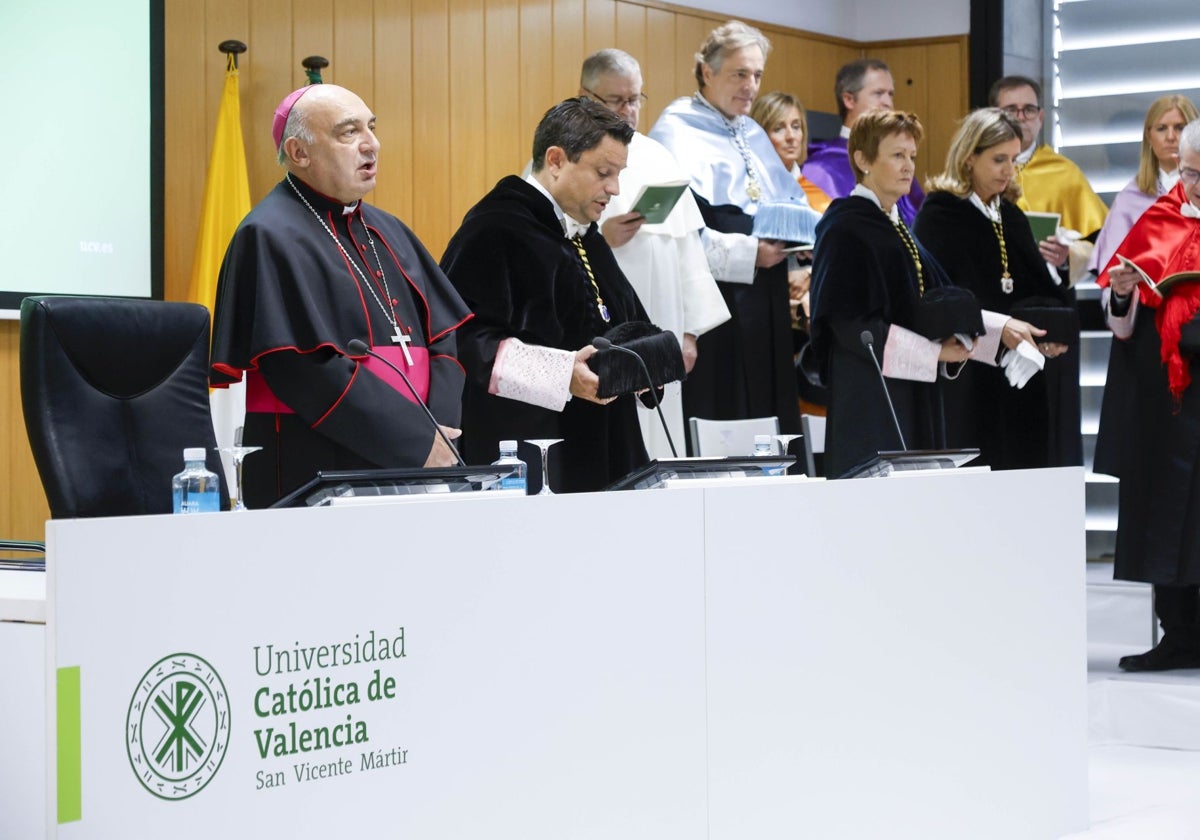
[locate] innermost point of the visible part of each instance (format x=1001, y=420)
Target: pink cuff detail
x=1121, y=326
x=909, y=355
x=532, y=374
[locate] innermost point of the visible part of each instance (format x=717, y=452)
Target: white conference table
x=884, y=657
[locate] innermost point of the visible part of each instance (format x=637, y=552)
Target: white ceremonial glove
x=1021, y=364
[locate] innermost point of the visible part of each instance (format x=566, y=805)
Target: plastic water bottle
x=196, y=489
x=764, y=449
x=508, y=455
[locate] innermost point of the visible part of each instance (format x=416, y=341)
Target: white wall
x=858, y=20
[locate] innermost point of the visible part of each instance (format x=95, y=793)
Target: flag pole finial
x=312, y=68
x=232, y=49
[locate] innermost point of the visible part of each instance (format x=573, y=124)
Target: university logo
x=177, y=728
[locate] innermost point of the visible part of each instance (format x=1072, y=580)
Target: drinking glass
x=238, y=453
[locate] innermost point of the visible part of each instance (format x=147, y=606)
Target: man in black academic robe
x=311, y=268
x=538, y=303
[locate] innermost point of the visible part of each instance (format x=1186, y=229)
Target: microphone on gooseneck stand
x=868, y=341
x=360, y=348
x=602, y=343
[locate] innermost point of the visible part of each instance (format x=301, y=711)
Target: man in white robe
x=665, y=263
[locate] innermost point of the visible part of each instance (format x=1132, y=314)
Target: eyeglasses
x=1189, y=176
x=1019, y=112
x=616, y=102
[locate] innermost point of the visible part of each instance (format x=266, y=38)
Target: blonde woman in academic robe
x=972, y=226
x=1158, y=172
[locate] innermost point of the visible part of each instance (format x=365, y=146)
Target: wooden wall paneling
x=393, y=105
x=566, y=48
x=658, y=66
x=536, y=62
x=312, y=34
x=599, y=26
x=265, y=79
x=187, y=139
x=431, y=123
x=506, y=146
x=24, y=509
x=353, y=47
x=779, y=73
x=948, y=81
x=827, y=59
x=631, y=32
x=468, y=134
x=690, y=31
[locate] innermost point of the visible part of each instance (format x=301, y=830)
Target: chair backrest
x=729, y=437
x=113, y=390
x=814, y=443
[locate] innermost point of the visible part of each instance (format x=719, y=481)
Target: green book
x=1044, y=225
x=656, y=201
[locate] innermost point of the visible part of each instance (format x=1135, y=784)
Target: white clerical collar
x=571, y=228
x=992, y=211
x=1024, y=157
x=1167, y=180
x=349, y=209
x=865, y=192
x=844, y=132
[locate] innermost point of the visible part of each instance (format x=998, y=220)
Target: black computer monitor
x=327, y=486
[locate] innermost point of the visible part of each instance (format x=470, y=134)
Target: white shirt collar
x=1024, y=157
x=992, y=211
x=844, y=132
x=571, y=228
x=1167, y=180
x=864, y=192
x=1189, y=210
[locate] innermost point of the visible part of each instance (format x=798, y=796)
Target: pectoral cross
x=403, y=340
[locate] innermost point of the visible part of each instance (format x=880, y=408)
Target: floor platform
x=1143, y=729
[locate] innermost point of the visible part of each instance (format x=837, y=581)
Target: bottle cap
x=508, y=445
x=193, y=453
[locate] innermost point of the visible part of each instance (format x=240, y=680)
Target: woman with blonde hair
x=1158, y=172
x=783, y=117
x=972, y=226
x=869, y=277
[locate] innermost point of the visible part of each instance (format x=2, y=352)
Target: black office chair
x=114, y=389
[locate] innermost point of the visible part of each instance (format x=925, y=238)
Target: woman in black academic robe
x=982, y=239
x=869, y=272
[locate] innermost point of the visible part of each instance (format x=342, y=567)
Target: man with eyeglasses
x=1050, y=183
x=665, y=263
x=860, y=86
x=1150, y=419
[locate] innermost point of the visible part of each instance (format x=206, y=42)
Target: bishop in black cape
x=1035, y=426
x=523, y=278
x=288, y=302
